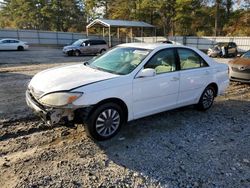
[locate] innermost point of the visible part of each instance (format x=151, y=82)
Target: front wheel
x=105, y=122
x=206, y=99
x=70, y=53
x=77, y=53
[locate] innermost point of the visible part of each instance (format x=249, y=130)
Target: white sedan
x=13, y=44
x=126, y=83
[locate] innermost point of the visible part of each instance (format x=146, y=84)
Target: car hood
x=240, y=61
x=66, y=78
x=70, y=47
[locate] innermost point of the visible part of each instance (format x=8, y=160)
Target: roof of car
x=9, y=39
x=149, y=46
x=160, y=46
x=91, y=39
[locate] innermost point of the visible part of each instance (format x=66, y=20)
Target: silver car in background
x=85, y=46
x=13, y=44
x=223, y=49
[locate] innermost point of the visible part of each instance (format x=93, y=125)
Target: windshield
x=120, y=60
x=246, y=55
x=78, y=42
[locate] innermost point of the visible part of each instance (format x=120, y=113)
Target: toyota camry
x=128, y=82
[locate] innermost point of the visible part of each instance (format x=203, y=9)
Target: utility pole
x=217, y=15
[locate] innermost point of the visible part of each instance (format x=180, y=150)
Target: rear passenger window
x=92, y=42
x=98, y=42
x=103, y=42
x=190, y=60
x=14, y=41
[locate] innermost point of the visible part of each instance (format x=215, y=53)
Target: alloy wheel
x=208, y=98
x=107, y=122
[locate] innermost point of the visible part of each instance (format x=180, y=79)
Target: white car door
x=86, y=48
x=160, y=92
x=195, y=75
x=14, y=44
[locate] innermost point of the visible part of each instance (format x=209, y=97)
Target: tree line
x=171, y=17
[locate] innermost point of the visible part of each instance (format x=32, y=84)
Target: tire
x=105, y=121
x=102, y=51
x=70, y=53
x=77, y=53
x=206, y=99
x=20, y=48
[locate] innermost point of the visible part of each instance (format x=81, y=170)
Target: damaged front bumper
x=49, y=114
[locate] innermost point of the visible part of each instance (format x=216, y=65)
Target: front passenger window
x=162, y=62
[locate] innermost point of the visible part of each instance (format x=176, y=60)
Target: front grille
x=236, y=69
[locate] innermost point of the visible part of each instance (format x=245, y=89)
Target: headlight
x=59, y=98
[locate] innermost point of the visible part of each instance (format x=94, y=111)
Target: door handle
x=174, y=79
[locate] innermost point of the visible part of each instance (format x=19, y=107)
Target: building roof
x=119, y=23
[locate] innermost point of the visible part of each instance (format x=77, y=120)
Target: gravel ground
x=178, y=148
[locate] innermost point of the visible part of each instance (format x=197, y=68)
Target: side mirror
x=148, y=72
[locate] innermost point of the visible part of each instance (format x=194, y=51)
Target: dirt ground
x=178, y=148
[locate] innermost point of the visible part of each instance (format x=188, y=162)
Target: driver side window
x=86, y=43
x=162, y=62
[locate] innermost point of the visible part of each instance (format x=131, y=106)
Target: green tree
x=177, y=17
x=59, y=15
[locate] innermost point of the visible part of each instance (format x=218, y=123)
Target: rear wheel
x=206, y=99
x=105, y=121
x=20, y=48
x=102, y=51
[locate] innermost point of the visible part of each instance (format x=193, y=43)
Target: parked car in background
x=223, y=49
x=130, y=81
x=240, y=68
x=167, y=42
x=86, y=46
x=13, y=44
x=170, y=42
